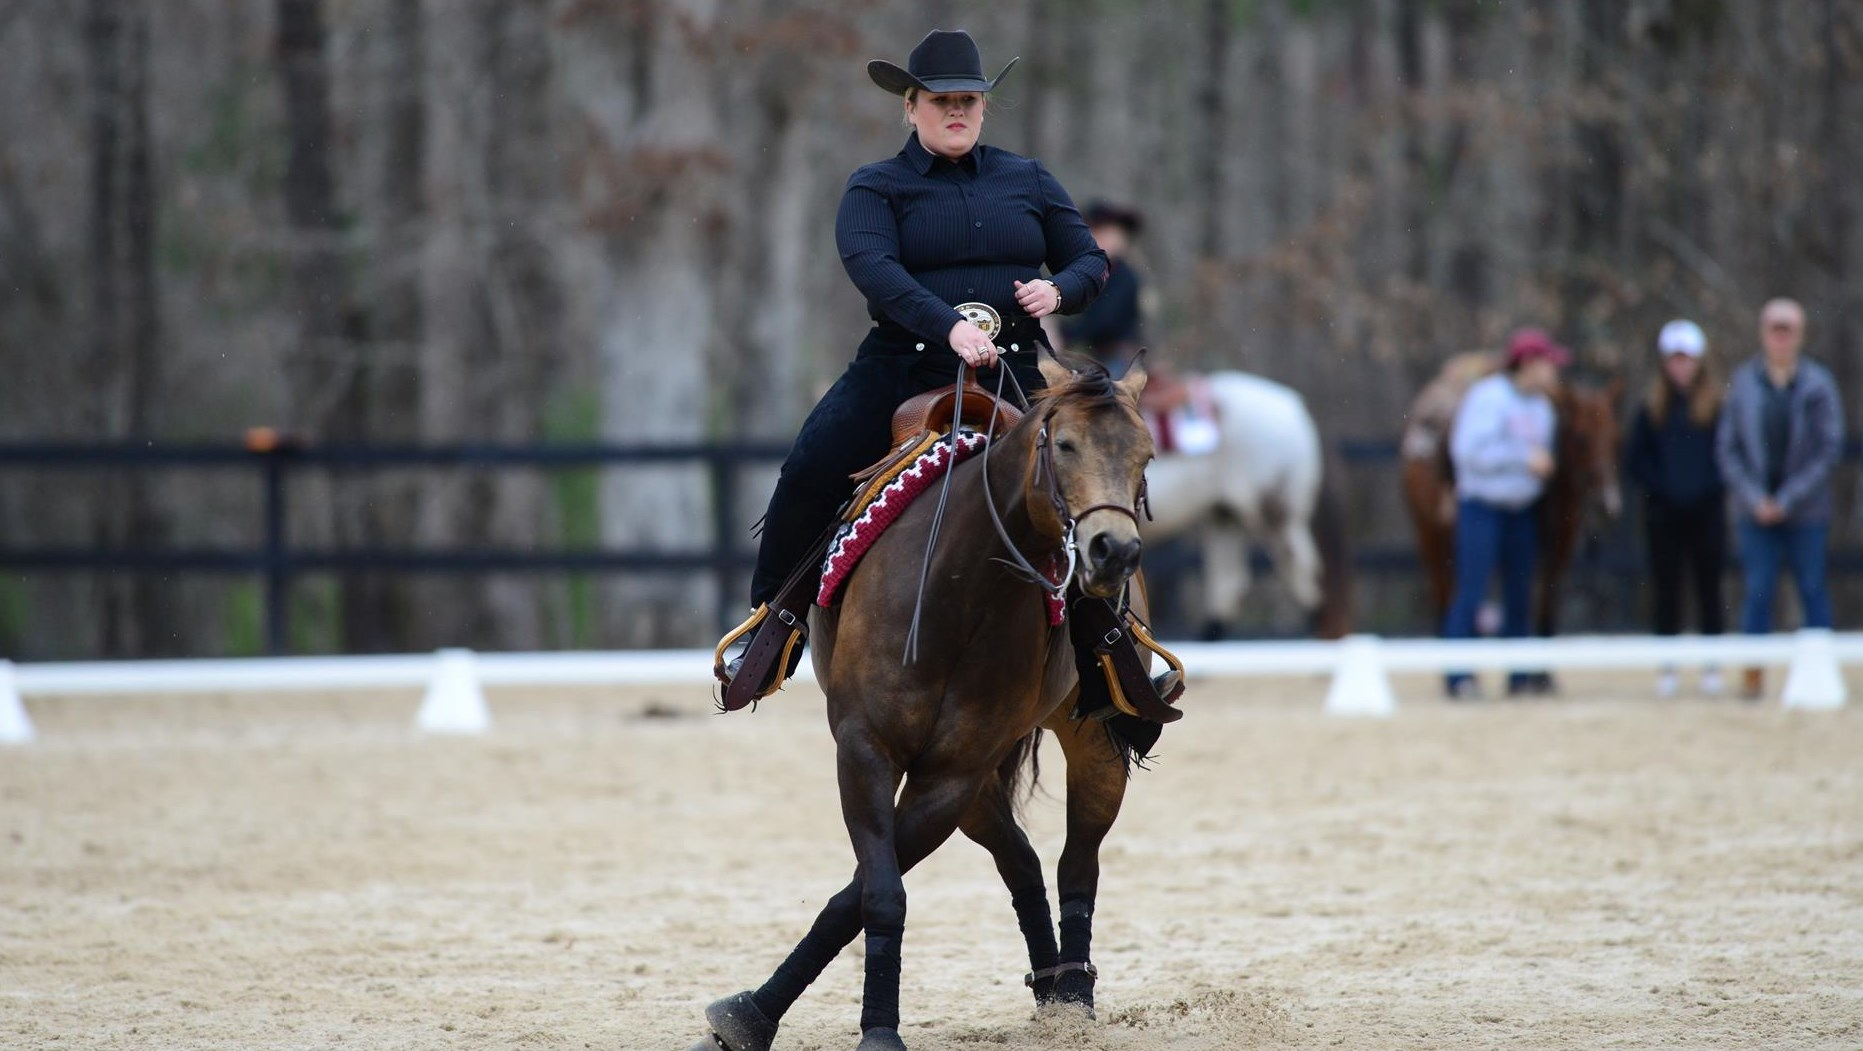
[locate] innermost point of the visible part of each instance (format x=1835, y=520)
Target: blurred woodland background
x=512, y=220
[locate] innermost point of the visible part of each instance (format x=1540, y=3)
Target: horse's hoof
x=737, y=1025
x=881, y=1040
x=1074, y=989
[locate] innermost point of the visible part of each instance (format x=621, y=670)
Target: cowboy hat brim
x=896, y=80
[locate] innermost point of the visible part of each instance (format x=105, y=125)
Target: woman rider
x=946, y=221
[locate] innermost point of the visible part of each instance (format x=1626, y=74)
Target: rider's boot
x=1110, y=647
x=767, y=649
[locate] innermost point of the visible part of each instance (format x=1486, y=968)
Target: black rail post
x=272, y=449
x=724, y=530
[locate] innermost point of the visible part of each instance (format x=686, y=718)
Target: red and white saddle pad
x=1189, y=428
x=855, y=537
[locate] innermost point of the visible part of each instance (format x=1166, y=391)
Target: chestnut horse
x=956, y=724
x=1585, y=452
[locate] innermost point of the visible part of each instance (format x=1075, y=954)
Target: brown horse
x=1586, y=452
x=957, y=723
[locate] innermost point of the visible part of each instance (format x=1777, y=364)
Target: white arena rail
x=454, y=701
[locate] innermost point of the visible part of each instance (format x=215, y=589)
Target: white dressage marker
x=1814, y=680
x=455, y=703
x=1360, y=686
x=15, y=725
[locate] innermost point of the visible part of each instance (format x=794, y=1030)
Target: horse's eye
x=1064, y=445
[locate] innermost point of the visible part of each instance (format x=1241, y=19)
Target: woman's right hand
x=972, y=345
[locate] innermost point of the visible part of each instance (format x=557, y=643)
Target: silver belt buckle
x=984, y=316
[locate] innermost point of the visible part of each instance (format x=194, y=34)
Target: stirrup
x=1164, y=689
x=768, y=661
x=1170, y=682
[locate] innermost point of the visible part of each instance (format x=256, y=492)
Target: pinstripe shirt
x=920, y=233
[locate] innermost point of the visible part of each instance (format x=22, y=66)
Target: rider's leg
x=848, y=430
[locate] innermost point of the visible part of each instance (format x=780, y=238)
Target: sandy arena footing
x=1601, y=870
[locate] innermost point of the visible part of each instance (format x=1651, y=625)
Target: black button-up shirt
x=920, y=234
x=1113, y=321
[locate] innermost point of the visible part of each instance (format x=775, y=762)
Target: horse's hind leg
x=1096, y=786
x=992, y=823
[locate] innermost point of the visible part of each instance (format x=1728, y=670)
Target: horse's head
x=1091, y=467
x=1591, y=436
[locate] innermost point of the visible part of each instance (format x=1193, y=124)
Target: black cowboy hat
x=1104, y=212
x=946, y=60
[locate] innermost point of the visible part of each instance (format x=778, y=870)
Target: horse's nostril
x=1112, y=552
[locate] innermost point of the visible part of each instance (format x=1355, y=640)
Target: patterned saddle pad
x=881, y=505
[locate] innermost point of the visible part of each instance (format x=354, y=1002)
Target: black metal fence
x=277, y=560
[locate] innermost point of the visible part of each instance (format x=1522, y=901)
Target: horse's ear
x=1132, y=384
x=1053, y=373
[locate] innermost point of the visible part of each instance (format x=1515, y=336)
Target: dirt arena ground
x=1600, y=871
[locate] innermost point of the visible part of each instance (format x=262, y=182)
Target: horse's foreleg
x=992, y=824
x=883, y=836
x=1225, y=575
x=1096, y=786
x=835, y=926
x=1298, y=558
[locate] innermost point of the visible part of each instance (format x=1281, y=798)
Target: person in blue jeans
x=1501, y=445
x=1779, y=437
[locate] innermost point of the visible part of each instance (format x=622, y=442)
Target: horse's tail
x=1024, y=755
x=1334, y=619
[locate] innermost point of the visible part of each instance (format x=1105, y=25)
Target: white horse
x=1265, y=481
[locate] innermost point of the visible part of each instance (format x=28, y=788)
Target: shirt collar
x=923, y=160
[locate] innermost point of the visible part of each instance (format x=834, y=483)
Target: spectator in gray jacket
x=1779, y=437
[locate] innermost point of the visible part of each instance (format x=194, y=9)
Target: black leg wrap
x=1075, y=985
x=1037, y=923
x=837, y=925
x=880, y=1000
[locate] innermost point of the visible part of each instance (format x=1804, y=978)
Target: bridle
x=1044, y=469
x=1051, y=479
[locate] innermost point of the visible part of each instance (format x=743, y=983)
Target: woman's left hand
x=1038, y=298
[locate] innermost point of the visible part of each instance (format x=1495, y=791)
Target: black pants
x=1687, y=542
x=850, y=429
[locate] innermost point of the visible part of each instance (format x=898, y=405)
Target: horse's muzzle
x=1111, y=560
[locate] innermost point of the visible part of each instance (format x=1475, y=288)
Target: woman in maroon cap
x=1501, y=445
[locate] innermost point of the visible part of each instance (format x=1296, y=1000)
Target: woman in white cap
x=1670, y=454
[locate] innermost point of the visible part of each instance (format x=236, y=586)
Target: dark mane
x=1091, y=382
